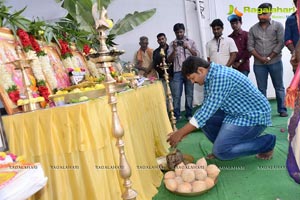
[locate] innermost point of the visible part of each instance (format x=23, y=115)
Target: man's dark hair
x=265, y=5
x=237, y=18
x=217, y=22
x=161, y=34
x=142, y=38
x=178, y=26
x=191, y=64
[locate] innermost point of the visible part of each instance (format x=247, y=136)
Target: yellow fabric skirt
x=78, y=152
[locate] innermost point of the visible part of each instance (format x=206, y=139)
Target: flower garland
x=91, y=65
x=43, y=90
x=36, y=46
x=8, y=84
x=24, y=37
x=69, y=61
x=45, y=63
x=32, y=51
x=48, y=71
x=64, y=49
x=6, y=79
x=66, y=54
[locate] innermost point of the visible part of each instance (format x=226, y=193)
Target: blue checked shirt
x=231, y=91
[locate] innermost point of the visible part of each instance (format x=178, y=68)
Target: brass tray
x=192, y=194
x=81, y=85
x=91, y=94
x=68, y=97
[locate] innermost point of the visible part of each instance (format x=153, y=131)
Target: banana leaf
x=80, y=10
x=130, y=21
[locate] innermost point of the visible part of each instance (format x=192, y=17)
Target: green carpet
x=245, y=178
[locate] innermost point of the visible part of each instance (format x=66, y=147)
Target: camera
x=179, y=43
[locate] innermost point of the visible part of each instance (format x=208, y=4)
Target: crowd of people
x=234, y=112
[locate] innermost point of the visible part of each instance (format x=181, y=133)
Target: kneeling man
x=233, y=115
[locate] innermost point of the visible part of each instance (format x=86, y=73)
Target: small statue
x=101, y=19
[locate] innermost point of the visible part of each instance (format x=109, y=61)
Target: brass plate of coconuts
x=192, y=179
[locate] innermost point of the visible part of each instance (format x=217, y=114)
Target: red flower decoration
x=36, y=46
x=64, y=49
x=24, y=38
x=86, y=49
x=14, y=96
x=44, y=92
x=112, y=69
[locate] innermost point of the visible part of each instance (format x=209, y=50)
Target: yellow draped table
x=78, y=153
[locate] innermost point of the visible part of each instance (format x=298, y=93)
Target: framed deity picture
x=3, y=140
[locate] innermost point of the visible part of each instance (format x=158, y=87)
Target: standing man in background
x=240, y=38
x=143, y=59
x=221, y=50
x=265, y=43
x=179, y=49
x=158, y=60
x=291, y=36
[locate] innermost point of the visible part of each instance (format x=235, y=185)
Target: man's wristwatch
x=268, y=58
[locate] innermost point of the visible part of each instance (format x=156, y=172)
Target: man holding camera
x=180, y=49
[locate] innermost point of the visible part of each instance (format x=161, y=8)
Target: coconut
x=171, y=184
x=198, y=186
x=212, y=171
x=170, y=175
x=201, y=163
x=188, y=175
x=184, y=187
x=179, y=168
x=178, y=179
x=200, y=174
x=209, y=182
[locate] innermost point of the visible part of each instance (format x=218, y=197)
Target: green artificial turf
x=246, y=178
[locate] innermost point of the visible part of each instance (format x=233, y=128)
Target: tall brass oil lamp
x=165, y=67
x=105, y=58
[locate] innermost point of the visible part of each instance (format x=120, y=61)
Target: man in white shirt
x=221, y=49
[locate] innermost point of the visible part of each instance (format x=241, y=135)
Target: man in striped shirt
x=233, y=115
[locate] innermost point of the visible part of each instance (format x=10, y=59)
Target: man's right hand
x=174, y=138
